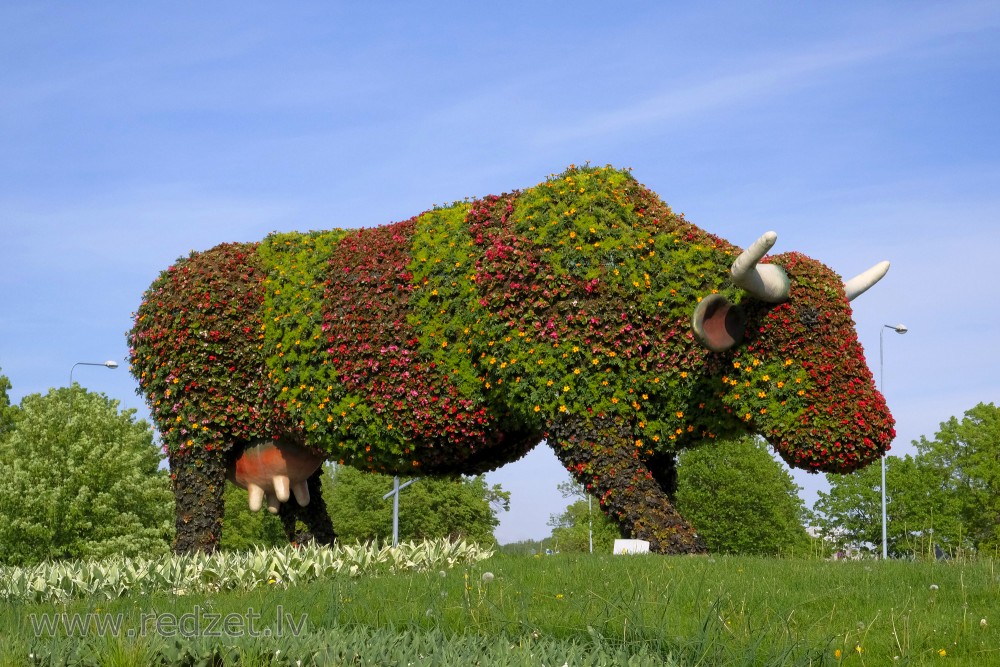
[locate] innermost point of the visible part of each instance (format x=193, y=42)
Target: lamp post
x=107, y=364
x=57, y=508
x=590, y=517
x=394, y=494
x=900, y=329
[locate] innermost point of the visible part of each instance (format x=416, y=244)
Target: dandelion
x=982, y=623
x=559, y=596
x=836, y=654
x=487, y=577
x=934, y=587
x=942, y=653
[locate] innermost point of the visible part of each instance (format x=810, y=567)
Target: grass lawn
x=552, y=610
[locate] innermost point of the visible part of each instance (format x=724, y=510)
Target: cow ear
x=717, y=323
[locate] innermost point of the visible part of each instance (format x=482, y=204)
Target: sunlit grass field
x=562, y=609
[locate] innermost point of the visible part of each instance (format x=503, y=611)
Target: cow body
x=582, y=312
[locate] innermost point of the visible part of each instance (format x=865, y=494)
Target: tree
x=243, y=528
x=522, y=547
x=849, y=516
x=571, y=530
x=80, y=479
x=8, y=414
x=948, y=495
x=965, y=455
x=464, y=507
x=740, y=499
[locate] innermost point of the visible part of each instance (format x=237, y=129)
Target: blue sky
x=132, y=133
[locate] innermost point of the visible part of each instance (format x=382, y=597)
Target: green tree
x=79, y=479
x=522, y=547
x=571, y=530
x=849, y=516
x=948, y=495
x=963, y=467
x=243, y=528
x=740, y=499
x=7, y=413
x=464, y=507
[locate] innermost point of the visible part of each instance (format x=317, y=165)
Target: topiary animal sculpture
x=582, y=311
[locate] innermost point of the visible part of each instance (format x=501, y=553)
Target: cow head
x=792, y=368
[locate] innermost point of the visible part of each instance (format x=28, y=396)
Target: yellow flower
x=537, y=408
x=942, y=653
x=562, y=408
x=566, y=388
x=836, y=654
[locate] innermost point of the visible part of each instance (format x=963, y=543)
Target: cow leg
x=664, y=470
x=603, y=457
x=313, y=516
x=199, y=479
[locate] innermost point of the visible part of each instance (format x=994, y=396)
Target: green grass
x=575, y=610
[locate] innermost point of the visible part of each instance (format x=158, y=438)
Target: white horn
x=767, y=282
x=857, y=285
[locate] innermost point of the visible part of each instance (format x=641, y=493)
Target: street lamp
x=57, y=507
x=107, y=364
x=900, y=329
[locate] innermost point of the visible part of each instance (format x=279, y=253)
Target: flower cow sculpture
x=582, y=312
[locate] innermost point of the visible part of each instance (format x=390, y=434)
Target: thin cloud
x=779, y=74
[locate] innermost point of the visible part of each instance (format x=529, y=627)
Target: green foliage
x=523, y=547
x=573, y=528
x=740, y=500
x=243, y=528
x=946, y=495
x=7, y=413
x=187, y=574
x=966, y=457
x=80, y=479
x=463, y=508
